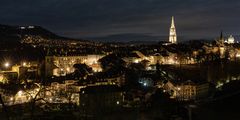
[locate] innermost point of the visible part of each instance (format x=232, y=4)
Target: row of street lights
x=7, y=64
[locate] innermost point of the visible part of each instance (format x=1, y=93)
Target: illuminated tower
x=221, y=46
x=230, y=39
x=172, y=33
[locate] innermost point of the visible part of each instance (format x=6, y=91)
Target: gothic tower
x=172, y=33
x=220, y=41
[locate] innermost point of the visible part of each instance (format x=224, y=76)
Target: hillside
x=35, y=42
x=8, y=32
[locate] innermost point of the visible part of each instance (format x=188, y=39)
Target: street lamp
x=24, y=64
x=7, y=64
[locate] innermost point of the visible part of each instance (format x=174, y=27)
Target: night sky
x=126, y=20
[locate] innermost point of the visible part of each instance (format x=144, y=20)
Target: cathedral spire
x=172, y=32
x=172, y=23
x=221, y=39
x=221, y=36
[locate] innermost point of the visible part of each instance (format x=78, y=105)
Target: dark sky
x=125, y=19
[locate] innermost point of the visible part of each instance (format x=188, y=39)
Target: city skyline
x=125, y=60
x=126, y=20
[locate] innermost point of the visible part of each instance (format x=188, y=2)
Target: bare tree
x=36, y=95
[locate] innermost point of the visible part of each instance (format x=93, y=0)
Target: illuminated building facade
x=172, y=33
x=136, y=57
x=186, y=90
x=7, y=77
x=165, y=58
x=62, y=65
x=230, y=39
x=19, y=72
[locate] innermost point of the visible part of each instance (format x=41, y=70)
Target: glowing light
x=178, y=88
x=118, y=102
x=20, y=93
x=136, y=61
x=219, y=85
x=149, y=68
x=237, y=55
x=227, y=81
x=171, y=61
x=24, y=63
x=68, y=69
x=37, y=89
x=6, y=64
x=144, y=84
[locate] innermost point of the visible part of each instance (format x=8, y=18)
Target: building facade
x=187, y=90
x=62, y=65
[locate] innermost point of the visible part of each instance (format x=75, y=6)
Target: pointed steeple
x=221, y=39
x=221, y=36
x=172, y=23
x=172, y=32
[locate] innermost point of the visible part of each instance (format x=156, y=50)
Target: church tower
x=172, y=32
x=220, y=40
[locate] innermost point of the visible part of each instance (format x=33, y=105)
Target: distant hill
x=129, y=38
x=135, y=38
x=35, y=42
x=15, y=32
x=11, y=36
